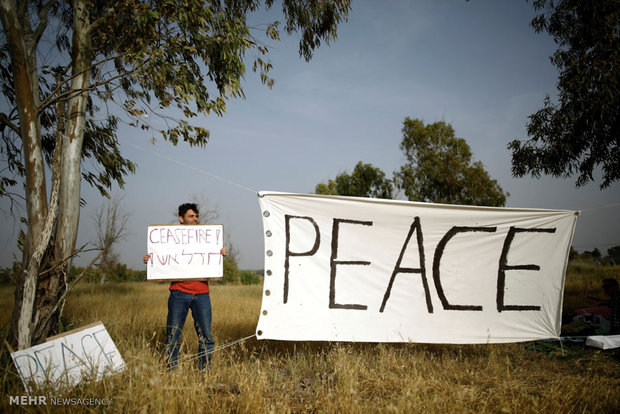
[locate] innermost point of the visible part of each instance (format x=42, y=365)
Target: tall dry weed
x=298, y=377
x=583, y=284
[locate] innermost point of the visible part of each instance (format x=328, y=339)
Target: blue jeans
x=178, y=305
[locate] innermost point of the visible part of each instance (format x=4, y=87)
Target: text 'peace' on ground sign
x=368, y=270
x=67, y=359
x=182, y=252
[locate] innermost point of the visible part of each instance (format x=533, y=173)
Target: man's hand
x=147, y=257
x=222, y=251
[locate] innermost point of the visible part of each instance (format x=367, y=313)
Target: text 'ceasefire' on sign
x=358, y=269
x=183, y=252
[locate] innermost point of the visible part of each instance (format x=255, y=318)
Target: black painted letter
x=415, y=226
x=333, y=263
x=317, y=242
x=503, y=266
x=437, y=260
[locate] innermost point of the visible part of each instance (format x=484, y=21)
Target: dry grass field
x=296, y=377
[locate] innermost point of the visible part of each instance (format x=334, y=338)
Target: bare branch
x=67, y=259
x=65, y=293
x=111, y=225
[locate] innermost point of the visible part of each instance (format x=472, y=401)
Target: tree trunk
x=51, y=235
x=104, y=268
x=52, y=285
x=22, y=51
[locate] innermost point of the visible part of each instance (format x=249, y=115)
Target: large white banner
x=183, y=252
x=359, y=269
x=67, y=359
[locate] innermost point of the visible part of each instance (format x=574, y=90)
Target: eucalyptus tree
x=579, y=132
x=364, y=181
x=72, y=71
x=439, y=168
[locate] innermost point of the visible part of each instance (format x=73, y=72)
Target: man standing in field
x=186, y=295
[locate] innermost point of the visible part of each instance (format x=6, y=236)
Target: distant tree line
x=119, y=272
x=595, y=256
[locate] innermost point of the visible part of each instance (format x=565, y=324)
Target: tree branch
x=66, y=292
x=38, y=32
x=5, y=121
x=52, y=98
x=66, y=259
x=101, y=20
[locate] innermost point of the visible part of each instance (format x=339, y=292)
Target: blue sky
x=477, y=65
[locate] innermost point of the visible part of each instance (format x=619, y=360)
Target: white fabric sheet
x=358, y=269
x=604, y=342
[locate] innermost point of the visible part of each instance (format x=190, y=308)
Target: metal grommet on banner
x=268, y=272
x=269, y=253
x=266, y=213
x=267, y=292
x=268, y=233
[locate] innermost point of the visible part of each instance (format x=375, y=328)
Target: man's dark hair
x=183, y=208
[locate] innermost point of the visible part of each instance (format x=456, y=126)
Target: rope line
x=191, y=167
x=194, y=357
x=210, y=174
x=601, y=207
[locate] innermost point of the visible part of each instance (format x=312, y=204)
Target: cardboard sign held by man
x=183, y=252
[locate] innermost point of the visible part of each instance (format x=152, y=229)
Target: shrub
x=250, y=278
x=231, y=271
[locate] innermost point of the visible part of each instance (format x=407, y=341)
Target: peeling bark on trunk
x=23, y=60
x=52, y=286
x=52, y=231
x=55, y=279
x=27, y=324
